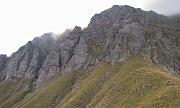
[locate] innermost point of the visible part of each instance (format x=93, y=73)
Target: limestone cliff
x=3, y=60
x=113, y=35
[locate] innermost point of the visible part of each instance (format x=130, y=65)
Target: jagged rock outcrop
x=26, y=62
x=113, y=35
x=68, y=44
x=79, y=56
x=57, y=60
x=130, y=31
x=3, y=60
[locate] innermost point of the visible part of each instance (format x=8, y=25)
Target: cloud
x=166, y=7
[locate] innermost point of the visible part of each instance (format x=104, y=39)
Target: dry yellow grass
x=133, y=84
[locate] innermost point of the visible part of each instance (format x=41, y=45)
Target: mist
x=165, y=7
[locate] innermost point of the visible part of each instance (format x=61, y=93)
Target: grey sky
x=22, y=20
x=166, y=7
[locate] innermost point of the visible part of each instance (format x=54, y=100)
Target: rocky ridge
x=112, y=35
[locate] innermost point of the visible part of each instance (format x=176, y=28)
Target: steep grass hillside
x=133, y=84
x=13, y=90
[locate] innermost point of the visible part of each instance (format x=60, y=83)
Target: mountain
x=122, y=58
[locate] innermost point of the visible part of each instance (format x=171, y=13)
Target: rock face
x=113, y=35
x=3, y=60
x=27, y=61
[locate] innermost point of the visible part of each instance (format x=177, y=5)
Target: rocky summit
x=114, y=36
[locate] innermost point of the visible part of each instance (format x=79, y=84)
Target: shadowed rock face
x=3, y=60
x=113, y=35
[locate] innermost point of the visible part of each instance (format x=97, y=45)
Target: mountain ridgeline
x=115, y=39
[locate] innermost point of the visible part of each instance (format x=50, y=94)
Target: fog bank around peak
x=165, y=7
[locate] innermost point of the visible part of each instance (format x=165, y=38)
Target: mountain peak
x=76, y=29
x=113, y=35
x=121, y=42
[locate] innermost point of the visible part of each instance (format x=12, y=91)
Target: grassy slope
x=51, y=93
x=135, y=83
x=85, y=91
x=13, y=90
x=138, y=84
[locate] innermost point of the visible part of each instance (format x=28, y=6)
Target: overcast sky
x=22, y=20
